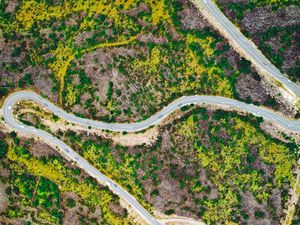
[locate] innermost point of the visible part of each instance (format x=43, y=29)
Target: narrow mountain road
x=292, y=125
x=233, y=34
x=66, y=150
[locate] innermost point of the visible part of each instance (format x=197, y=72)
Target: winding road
x=232, y=33
x=292, y=125
x=66, y=150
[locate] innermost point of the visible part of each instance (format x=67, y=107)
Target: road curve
x=233, y=33
x=292, y=125
x=66, y=150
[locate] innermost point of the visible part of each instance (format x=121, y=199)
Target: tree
x=259, y=214
x=3, y=149
x=26, y=80
x=16, y=52
x=70, y=203
x=244, y=65
x=169, y=211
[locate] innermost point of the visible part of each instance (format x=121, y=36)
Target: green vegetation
x=274, y=3
x=259, y=214
x=277, y=41
x=296, y=218
x=223, y=158
x=285, y=35
x=3, y=149
x=39, y=183
x=70, y=203
x=47, y=194
x=115, y=61
x=124, y=173
x=218, y=143
x=39, y=193
x=191, y=64
x=231, y=152
x=26, y=80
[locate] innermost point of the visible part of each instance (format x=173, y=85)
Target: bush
x=3, y=149
x=16, y=52
x=70, y=203
x=259, y=214
x=3, y=91
x=26, y=80
x=244, y=65
x=155, y=193
x=169, y=211
x=110, y=90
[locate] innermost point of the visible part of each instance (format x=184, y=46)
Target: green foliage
x=155, y=193
x=3, y=149
x=24, y=184
x=110, y=90
x=3, y=91
x=76, y=171
x=4, y=16
x=244, y=65
x=25, y=81
x=70, y=203
x=100, y=155
x=186, y=107
x=16, y=52
x=259, y=214
x=226, y=146
x=286, y=35
x=38, y=192
x=240, y=8
x=169, y=211
x=275, y=3
x=53, y=173
x=47, y=194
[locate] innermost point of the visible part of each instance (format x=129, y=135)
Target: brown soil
x=248, y=87
x=41, y=149
x=191, y=18
x=3, y=197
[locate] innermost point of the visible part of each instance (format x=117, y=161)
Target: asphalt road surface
x=293, y=125
x=236, y=36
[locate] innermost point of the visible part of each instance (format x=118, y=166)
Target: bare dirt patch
x=248, y=87
x=3, y=197
x=132, y=139
x=41, y=149
x=190, y=17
